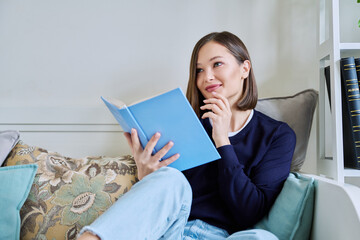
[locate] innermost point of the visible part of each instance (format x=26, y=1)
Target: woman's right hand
x=146, y=162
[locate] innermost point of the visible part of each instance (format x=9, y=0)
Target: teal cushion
x=15, y=185
x=290, y=218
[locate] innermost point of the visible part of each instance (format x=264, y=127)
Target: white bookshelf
x=330, y=51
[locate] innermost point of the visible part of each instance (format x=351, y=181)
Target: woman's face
x=219, y=71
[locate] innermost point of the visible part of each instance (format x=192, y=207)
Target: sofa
x=46, y=195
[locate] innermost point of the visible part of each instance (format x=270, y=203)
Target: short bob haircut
x=237, y=48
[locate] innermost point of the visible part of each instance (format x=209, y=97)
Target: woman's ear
x=245, y=69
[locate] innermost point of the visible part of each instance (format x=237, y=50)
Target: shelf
x=349, y=46
x=350, y=49
x=348, y=172
x=346, y=49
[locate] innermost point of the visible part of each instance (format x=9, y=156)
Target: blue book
x=170, y=114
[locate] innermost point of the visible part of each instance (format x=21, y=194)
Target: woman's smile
x=212, y=87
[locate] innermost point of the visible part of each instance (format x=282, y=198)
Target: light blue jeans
x=158, y=207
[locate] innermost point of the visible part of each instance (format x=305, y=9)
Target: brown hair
x=238, y=49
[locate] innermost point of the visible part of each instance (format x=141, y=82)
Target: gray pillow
x=297, y=111
x=8, y=140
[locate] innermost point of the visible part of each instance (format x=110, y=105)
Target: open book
x=170, y=114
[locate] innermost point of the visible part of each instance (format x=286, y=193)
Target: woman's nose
x=209, y=75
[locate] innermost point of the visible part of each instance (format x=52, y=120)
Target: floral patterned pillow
x=69, y=193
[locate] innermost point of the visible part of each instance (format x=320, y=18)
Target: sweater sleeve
x=249, y=195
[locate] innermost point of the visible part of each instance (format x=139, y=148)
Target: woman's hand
x=146, y=162
x=220, y=114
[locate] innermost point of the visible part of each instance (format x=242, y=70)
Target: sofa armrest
x=336, y=210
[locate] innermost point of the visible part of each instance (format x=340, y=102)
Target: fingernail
x=133, y=130
x=157, y=134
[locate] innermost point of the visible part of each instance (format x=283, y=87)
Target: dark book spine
x=357, y=66
x=327, y=80
x=351, y=113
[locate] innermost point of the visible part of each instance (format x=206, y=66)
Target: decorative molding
x=49, y=127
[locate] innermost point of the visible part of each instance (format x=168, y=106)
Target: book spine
x=357, y=67
x=126, y=120
x=327, y=81
x=351, y=113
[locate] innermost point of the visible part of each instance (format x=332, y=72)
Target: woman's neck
x=238, y=119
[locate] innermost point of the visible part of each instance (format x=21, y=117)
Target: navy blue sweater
x=235, y=192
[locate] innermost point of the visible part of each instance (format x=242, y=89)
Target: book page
x=116, y=102
x=146, y=98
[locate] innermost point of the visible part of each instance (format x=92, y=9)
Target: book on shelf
x=351, y=113
x=172, y=116
x=357, y=67
x=328, y=87
x=327, y=81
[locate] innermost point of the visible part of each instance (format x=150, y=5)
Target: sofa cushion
x=15, y=185
x=297, y=111
x=69, y=193
x=290, y=218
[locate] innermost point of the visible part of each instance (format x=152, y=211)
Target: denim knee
x=173, y=178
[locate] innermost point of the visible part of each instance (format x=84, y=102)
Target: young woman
x=222, y=199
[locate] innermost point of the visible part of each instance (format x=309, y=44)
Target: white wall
x=65, y=54
x=350, y=15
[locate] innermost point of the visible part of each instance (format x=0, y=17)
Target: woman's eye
x=217, y=64
x=199, y=70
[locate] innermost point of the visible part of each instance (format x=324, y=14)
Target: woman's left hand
x=220, y=114
x=146, y=162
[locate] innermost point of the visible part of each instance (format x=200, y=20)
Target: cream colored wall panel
x=79, y=144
